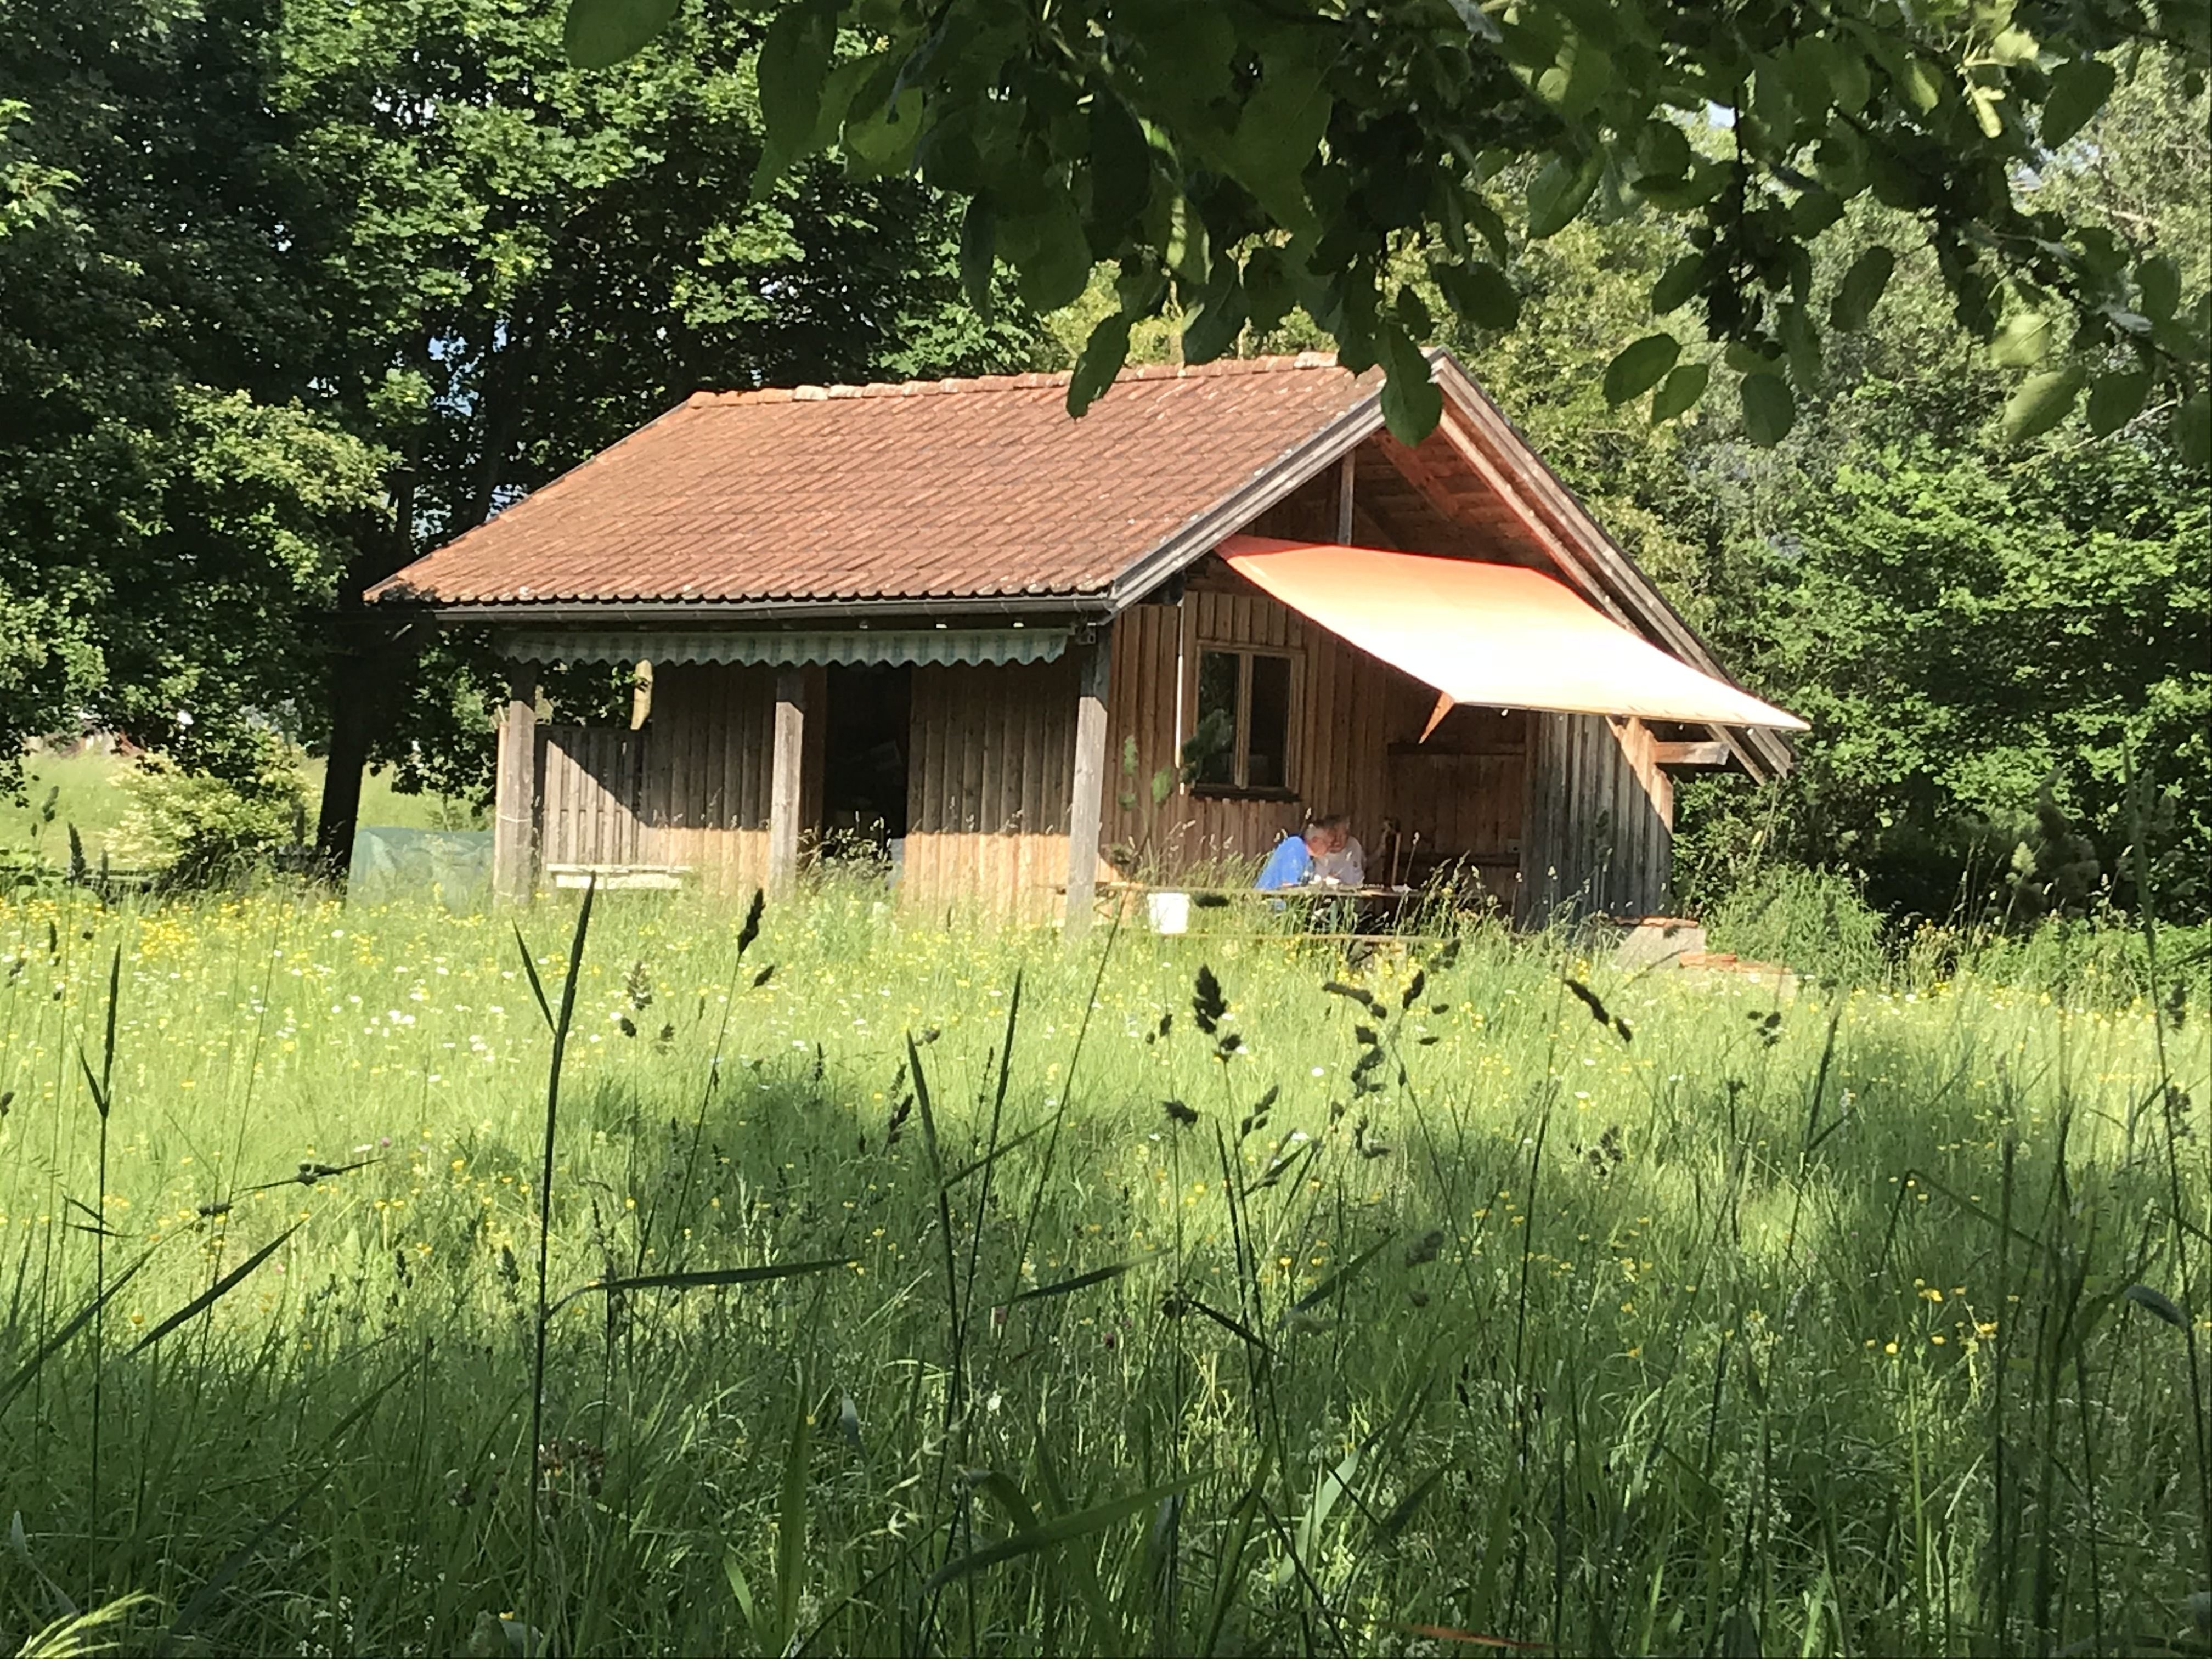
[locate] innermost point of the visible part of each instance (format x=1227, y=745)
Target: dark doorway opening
x=863, y=760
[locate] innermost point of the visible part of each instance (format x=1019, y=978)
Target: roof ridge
x=1032, y=381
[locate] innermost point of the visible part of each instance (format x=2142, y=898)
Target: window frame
x=1241, y=788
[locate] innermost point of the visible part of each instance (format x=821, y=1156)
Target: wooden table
x=1308, y=899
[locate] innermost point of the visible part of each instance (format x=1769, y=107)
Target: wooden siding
x=1600, y=833
x=591, y=781
x=991, y=769
x=1460, y=798
x=1354, y=720
x=706, y=772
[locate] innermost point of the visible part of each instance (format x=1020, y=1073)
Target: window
x=1241, y=740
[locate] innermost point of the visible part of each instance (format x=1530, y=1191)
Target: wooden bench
x=620, y=878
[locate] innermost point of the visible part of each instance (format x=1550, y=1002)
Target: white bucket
x=1169, y=912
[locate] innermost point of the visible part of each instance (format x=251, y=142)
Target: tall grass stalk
x=559, y=1025
x=103, y=1100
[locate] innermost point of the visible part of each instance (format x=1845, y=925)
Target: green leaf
x=1489, y=226
x=791, y=1518
x=703, y=1279
x=1861, y=290
x=1337, y=1280
x=1412, y=404
x=1814, y=211
x=1480, y=293
x=1812, y=83
x=1120, y=164
x=2159, y=1303
x=1769, y=412
x=2192, y=430
x=1801, y=342
x=1060, y=1530
x=794, y=62
x=2078, y=91
x=1678, y=284
x=1080, y=1282
x=1049, y=253
x=2116, y=400
x=1270, y=287
x=1103, y=353
x=29, y=1370
x=1920, y=83
x=1558, y=193
x=1705, y=180
x=600, y=33
x=2023, y=342
x=1746, y=359
x=214, y=1292
x=1848, y=76
x=880, y=142
x=1185, y=250
x=978, y=237
x=1278, y=133
x=1640, y=366
x=2041, y=403
x=1662, y=151
x=1678, y=393
x=1220, y=319
x=2159, y=280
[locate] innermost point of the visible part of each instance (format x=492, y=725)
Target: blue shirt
x=1288, y=865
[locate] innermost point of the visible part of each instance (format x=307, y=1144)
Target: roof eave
x=553, y=613
x=1201, y=534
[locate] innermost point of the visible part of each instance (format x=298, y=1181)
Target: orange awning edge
x=1494, y=635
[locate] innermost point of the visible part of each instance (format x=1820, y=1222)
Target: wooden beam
x=1571, y=562
x=1456, y=509
x=515, y=831
x=1691, y=754
x=786, y=771
x=1086, y=806
x=1347, y=470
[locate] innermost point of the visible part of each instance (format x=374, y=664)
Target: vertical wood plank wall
x=1599, y=835
x=706, y=796
x=989, y=770
x=590, y=783
x=1575, y=807
x=1357, y=722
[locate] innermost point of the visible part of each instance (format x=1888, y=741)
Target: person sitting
x=1291, y=863
x=1343, y=862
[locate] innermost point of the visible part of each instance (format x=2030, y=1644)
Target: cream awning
x=1496, y=635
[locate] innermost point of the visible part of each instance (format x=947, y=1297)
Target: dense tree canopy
x=1243, y=158
x=1975, y=626
x=293, y=292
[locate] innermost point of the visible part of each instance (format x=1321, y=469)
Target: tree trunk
x=371, y=657
x=372, y=649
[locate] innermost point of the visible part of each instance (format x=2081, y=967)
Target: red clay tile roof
x=951, y=489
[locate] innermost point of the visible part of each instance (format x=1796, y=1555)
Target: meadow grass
x=84, y=790
x=1008, y=1296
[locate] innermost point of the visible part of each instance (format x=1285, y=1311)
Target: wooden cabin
x=1024, y=654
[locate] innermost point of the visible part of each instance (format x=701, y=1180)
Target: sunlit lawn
x=1435, y=1307
x=61, y=790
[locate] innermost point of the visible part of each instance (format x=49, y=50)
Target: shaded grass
x=1451, y=1306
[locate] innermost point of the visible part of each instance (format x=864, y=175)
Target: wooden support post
x=1094, y=662
x=786, y=776
x=514, y=833
x=1346, y=470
